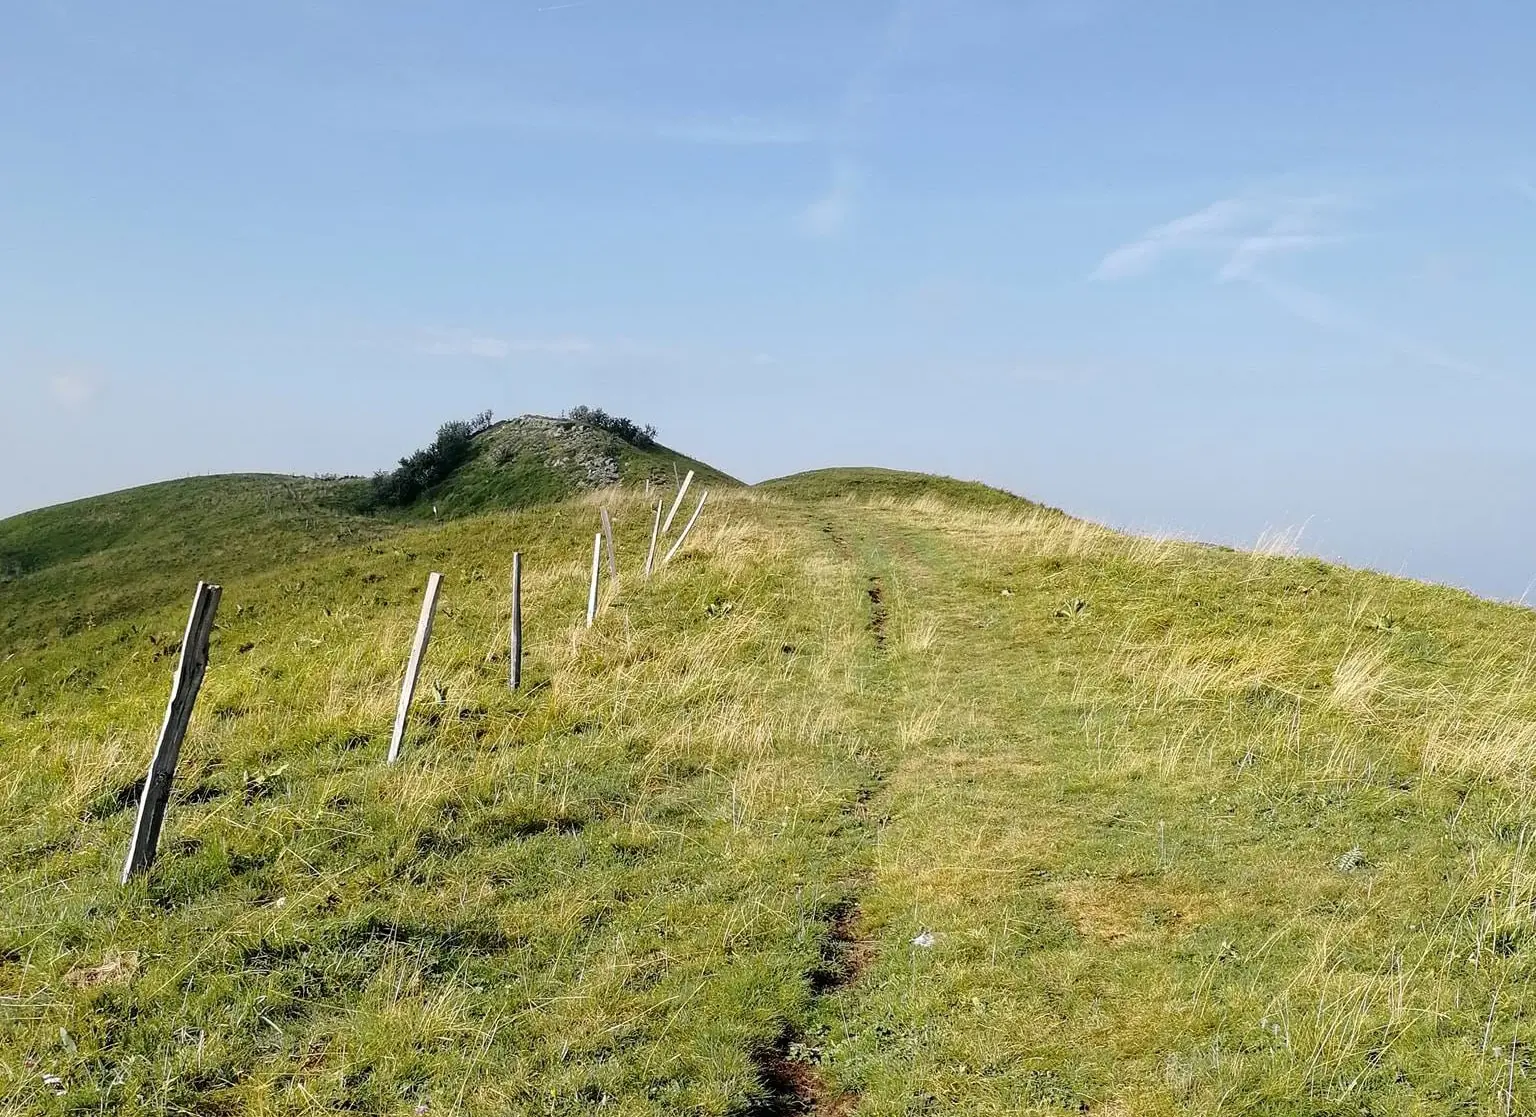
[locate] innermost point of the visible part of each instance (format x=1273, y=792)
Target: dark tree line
x=429, y=466
x=627, y=429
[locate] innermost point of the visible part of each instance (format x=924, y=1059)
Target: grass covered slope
x=92, y=561
x=610, y=885
x=535, y=459
x=901, y=800
x=75, y=565
x=872, y=482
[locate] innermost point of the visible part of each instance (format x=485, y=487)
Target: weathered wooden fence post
x=613, y=565
x=516, y=652
x=650, y=556
x=597, y=557
x=689, y=527
x=676, y=504
x=413, y=666
x=178, y=713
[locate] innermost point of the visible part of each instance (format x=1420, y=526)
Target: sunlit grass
x=1131, y=826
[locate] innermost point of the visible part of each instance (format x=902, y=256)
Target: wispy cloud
x=1252, y=251
x=1319, y=310
x=1241, y=232
x=499, y=349
x=1526, y=189
x=734, y=131
x=1238, y=237
x=448, y=107
x=1213, y=224
x=828, y=214
x=71, y=390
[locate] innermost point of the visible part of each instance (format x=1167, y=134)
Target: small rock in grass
x=1353, y=860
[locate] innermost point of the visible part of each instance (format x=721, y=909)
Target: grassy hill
x=889, y=795
x=79, y=564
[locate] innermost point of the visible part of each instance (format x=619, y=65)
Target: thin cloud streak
x=1141, y=255
x=71, y=391
x=1247, y=233
x=1251, y=251
x=446, y=109
x=827, y=215
x=1245, y=230
x=1321, y=311
x=500, y=349
x=830, y=214
x=737, y=131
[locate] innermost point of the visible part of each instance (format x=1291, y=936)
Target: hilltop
x=535, y=459
x=890, y=794
x=88, y=561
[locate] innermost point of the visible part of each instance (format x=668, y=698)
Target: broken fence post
x=613, y=566
x=413, y=667
x=689, y=527
x=676, y=504
x=597, y=557
x=650, y=556
x=515, y=655
x=178, y=713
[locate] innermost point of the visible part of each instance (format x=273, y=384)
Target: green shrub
x=627, y=429
x=428, y=467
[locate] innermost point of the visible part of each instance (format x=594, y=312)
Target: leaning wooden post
x=676, y=504
x=597, y=557
x=650, y=556
x=162, y=766
x=516, y=652
x=413, y=666
x=613, y=566
x=689, y=527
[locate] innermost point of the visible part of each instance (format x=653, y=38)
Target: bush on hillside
x=430, y=466
x=627, y=429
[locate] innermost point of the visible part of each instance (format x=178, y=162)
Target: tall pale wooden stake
x=516, y=653
x=613, y=565
x=689, y=527
x=178, y=713
x=650, y=556
x=413, y=667
x=597, y=557
x=676, y=504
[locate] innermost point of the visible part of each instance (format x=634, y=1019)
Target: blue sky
x=1200, y=268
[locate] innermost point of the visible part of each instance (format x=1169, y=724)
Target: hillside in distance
x=889, y=794
x=85, y=562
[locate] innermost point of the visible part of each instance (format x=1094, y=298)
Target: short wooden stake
x=613, y=565
x=689, y=527
x=676, y=504
x=650, y=556
x=515, y=656
x=413, y=666
x=597, y=557
x=190, y=670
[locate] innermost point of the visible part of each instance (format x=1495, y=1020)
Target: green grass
x=1177, y=829
x=527, y=462
x=88, y=562
x=872, y=482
